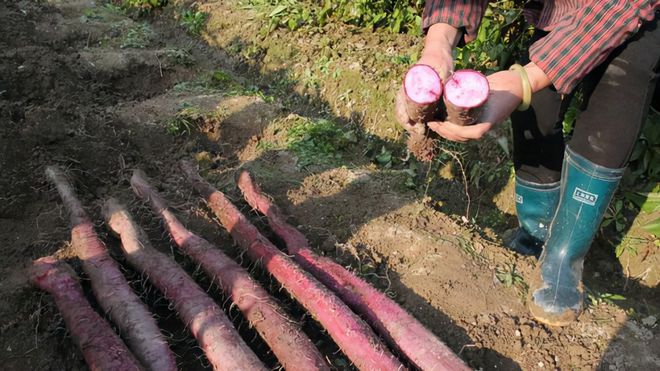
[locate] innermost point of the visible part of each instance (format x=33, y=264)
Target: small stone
x=517, y=333
x=541, y=364
x=649, y=321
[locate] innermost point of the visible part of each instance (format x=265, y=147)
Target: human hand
x=438, y=45
x=402, y=115
x=506, y=93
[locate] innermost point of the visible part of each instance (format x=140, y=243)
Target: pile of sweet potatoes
x=372, y=330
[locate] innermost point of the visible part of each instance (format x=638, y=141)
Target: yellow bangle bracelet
x=527, y=88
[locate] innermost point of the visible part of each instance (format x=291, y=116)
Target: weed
x=179, y=57
x=91, y=14
x=139, y=36
x=599, y=298
x=404, y=60
x=384, y=158
x=614, y=215
x=250, y=91
x=318, y=142
x=143, y=6
x=184, y=120
x=214, y=82
x=509, y=277
x=194, y=21
x=467, y=247
x=113, y=8
x=265, y=146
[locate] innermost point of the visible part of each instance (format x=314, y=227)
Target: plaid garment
x=582, y=33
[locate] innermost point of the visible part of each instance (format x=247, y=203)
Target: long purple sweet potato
x=110, y=288
x=391, y=321
x=222, y=345
x=101, y=347
x=352, y=335
x=291, y=346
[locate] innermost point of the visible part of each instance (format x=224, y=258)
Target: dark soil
x=76, y=91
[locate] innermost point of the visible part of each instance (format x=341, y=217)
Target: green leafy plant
x=599, y=298
x=393, y=15
x=508, y=276
x=318, y=142
x=614, y=215
x=194, y=21
x=142, y=6
x=184, y=121
x=500, y=36
x=139, y=36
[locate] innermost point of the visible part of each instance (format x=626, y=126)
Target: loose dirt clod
x=109, y=285
x=291, y=346
x=423, y=147
x=352, y=335
x=221, y=343
x=102, y=348
x=391, y=321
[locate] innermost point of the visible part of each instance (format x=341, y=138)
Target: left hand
x=505, y=96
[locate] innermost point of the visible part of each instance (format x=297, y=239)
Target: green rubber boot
x=535, y=206
x=556, y=291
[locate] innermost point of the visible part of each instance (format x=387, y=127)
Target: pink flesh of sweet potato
x=466, y=89
x=422, y=84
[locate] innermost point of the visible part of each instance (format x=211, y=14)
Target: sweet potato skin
x=352, y=335
x=102, y=349
x=291, y=346
x=110, y=288
x=389, y=320
x=207, y=322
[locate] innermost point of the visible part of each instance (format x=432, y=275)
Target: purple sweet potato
x=353, y=336
x=102, y=348
x=222, y=344
x=423, y=89
x=391, y=321
x=110, y=288
x=291, y=346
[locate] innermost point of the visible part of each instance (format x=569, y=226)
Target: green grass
x=184, y=121
x=179, y=57
x=318, y=142
x=138, y=36
x=214, y=82
x=193, y=21
x=142, y=6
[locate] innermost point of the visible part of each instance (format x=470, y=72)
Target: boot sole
x=557, y=320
